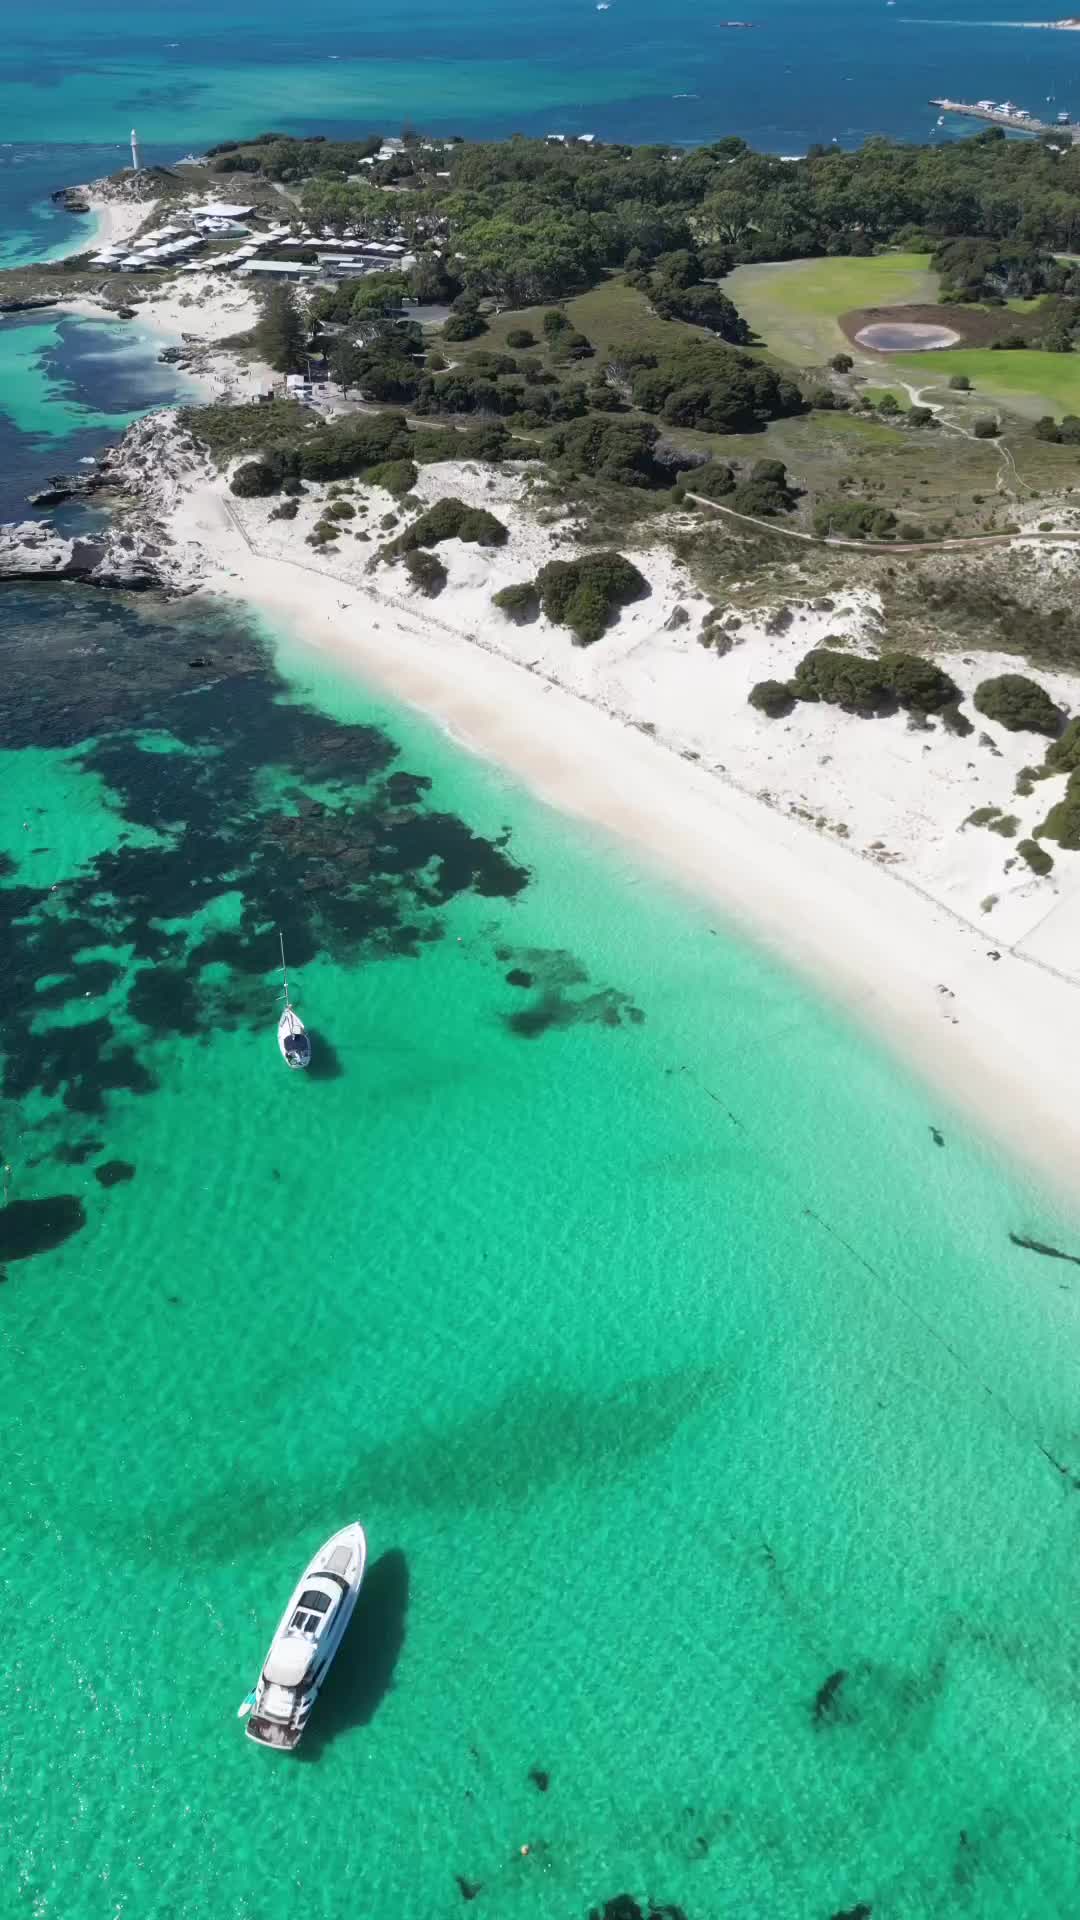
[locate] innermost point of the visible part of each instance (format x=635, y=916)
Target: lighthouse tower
x=136, y=162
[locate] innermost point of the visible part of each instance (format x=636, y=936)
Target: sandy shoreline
x=845, y=845
x=992, y=1035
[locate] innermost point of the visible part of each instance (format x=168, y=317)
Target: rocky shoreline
x=147, y=472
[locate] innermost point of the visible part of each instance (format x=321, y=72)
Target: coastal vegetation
x=1018, y=703
x=584, y=595
x=448, y=519
x=860, y=684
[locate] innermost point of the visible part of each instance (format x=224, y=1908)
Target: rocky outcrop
x=68, y=486
x=72, y=199
x=151, y=468
x=29, y=303
x=30, y=550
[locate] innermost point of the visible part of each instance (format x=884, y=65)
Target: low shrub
x=450, y=519
x=586, y=595
x=986, y=427
x=854, y=520
x=255, y=480
x=955, y=721
x=772, y=697
x=426, y=571
x=916, y=682
x=1062, y=823
x=847, y=680
x=396, y=476
x=288, y=510
x=341, y=510
x=1062, y=755
x=1018, y=703
x=520, y=602
x=713, y=481
x=519, y=337
x=959, y=383
x=463, y=326
x=1037, y=857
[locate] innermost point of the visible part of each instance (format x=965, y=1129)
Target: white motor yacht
x=311, y=1631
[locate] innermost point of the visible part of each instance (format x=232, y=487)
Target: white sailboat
x=312, y=1628
x=292, y=1035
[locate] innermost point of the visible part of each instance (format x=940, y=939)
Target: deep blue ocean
x=633, y=70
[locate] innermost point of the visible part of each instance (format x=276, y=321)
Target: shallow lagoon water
x=615, y=1282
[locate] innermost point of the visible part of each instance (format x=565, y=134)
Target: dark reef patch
x=28, y=1227
x=553, y=971
x=827, y=1709
x=78, y=1154
x=221, y=776
x=605, y=1008
x=113, y=1173
x=625, y=1907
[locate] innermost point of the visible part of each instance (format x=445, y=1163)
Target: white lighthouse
x=136, y=162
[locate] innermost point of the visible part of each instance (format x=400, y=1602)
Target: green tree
x=280, y=334
x=347, y=362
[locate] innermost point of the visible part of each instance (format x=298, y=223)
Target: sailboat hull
x=294, y=1040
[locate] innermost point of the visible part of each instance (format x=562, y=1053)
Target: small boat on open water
x=292, y=1036
x=311, y=1631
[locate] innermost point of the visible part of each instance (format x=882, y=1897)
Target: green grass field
x=792, y=305
x=1028, y=382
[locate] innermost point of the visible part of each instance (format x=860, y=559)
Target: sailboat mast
x=284, y=974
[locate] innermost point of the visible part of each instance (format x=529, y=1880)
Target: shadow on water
x=326, y=1062
x=363, y=1669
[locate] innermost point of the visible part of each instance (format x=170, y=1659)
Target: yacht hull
x=309, y=1634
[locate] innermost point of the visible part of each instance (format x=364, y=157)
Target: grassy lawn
x=792, y=304
x=1029, y=382
x=611, y=315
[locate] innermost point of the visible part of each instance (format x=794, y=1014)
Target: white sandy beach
x=895, y=934
x=108, y=224
x=840, y=842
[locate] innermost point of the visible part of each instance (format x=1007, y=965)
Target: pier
x=1013, y=119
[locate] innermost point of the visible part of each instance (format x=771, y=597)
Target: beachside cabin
x=221, y=210
x=272, y=270
x=221, y=229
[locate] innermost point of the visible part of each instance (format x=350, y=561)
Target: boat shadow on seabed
x=363, y=1669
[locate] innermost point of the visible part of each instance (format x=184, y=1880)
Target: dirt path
x=956, y=544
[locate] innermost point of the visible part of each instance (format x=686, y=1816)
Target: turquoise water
x=671, y=1366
